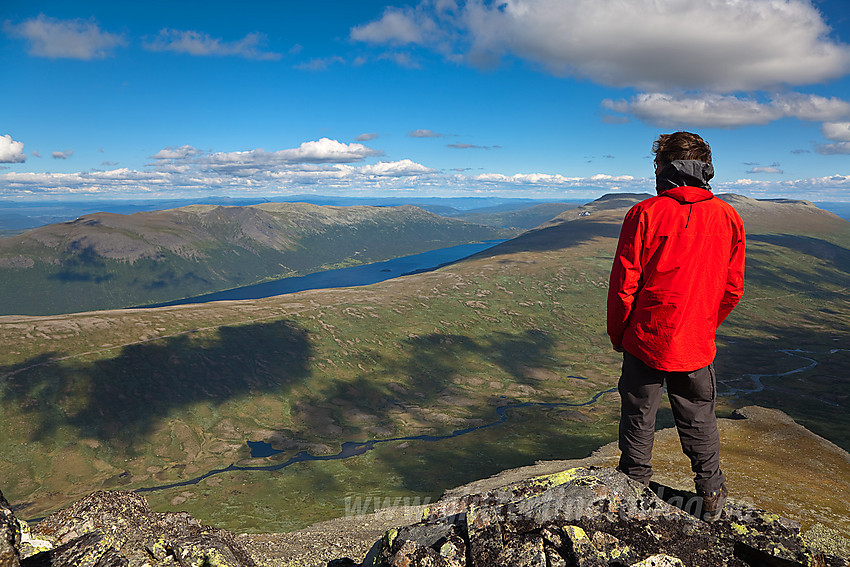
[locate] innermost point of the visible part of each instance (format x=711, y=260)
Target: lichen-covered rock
x=593, y=517
x=115, y=529
x=10, y=535
x=424, y=545
x=93, y=549
x=659, y=560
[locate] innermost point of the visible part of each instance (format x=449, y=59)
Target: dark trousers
x=692, y=399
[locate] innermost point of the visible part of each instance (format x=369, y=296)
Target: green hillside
x=105, y=260
x=151, y=397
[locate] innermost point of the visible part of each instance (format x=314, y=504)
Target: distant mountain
x=17, y=216
x=106, y=260
x=509, y=216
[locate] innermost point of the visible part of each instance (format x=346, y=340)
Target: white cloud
x=11, y=151
x=366, y=137
x=401, y=59
x=720, y=45
x=833, y=149
x=462, y=146
x=396, y=168
x=726, y=111
x=555, y=180
x=326, y=150
x=63, y=155
x=201, y=44
x=176, y=153
x=71, y=39
x=836, y=131
x=764, y=169
x=259, y=162
x=424, y=133
x=396, y=26
x=189, y=178
x=826, y=188
x=36, y=153
x=321, y=63
x=118, y=181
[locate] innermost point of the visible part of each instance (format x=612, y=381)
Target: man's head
x=680, y=146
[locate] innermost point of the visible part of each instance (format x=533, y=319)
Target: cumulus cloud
x=397, y=26
x=720, y=45
x=323, y=150
x=401, y=59
x=726, y=111
x=836, y=131
x=559, y=180
x=403, y=167
x=826, y=188
x=11, y=151
x=366, y=137
x=764, y=169
x=249, y=163
x=176, y=153
x=188, y=178
x=63, y=155
x=833, y=149
x=70, y=39
x=424, y=133
x=321, y=63
x=201, y=44
x=85, y=183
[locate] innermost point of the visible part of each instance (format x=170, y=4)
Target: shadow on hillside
x=835, y=256
x=121, y=398
x=796, y=263
x=82, y=264
x=556, y=237
x=428, y=374
x=435, y=359
x=797, y=361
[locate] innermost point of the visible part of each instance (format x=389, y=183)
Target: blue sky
x=554, y=99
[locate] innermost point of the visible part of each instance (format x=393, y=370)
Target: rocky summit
x=580, y=517
x=592, y=517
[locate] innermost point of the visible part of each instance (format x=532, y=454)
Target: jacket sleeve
x=625, y=276
x=735, y=273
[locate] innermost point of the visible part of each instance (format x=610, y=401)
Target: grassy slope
x=106, y=260
x=136, y=399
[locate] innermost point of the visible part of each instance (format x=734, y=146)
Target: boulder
x=10, y=536
x=116, y=529
x=591, y=517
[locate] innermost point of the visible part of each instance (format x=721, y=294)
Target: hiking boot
x=713, y=502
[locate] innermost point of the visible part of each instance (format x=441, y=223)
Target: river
x=353, y=448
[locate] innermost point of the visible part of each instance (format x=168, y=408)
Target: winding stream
x=349, y=449
x=354, y=448
x=758, y=386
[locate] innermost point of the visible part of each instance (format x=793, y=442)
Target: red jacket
x=677, y=274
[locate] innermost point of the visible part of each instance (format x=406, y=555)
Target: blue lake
x=345, y=277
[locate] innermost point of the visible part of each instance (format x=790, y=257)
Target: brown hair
x=680, y=145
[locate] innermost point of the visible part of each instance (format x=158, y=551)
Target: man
x=678, y=272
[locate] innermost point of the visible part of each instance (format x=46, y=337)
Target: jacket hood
x=681, y=172
x=687, y=195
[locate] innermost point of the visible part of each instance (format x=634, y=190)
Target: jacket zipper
x=690, y=208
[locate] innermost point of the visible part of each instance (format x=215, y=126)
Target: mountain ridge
x=106, y=260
